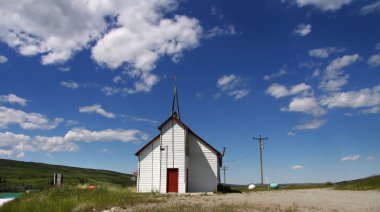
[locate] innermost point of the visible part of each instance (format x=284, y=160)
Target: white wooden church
x=177, y=160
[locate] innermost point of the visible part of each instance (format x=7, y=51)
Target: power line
x=240, y=158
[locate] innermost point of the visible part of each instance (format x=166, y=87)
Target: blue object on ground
x=274, y=186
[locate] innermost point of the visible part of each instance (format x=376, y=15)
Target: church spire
x=175, y=100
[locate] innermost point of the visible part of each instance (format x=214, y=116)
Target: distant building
x=177, y=160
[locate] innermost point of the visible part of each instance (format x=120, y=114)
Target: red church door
x=172, y=180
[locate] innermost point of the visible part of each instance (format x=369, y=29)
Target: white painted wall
x=203, y=167
x=149, y=168
x=173, y=140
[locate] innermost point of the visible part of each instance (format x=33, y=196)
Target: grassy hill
x=39, y=175
x=368, y=183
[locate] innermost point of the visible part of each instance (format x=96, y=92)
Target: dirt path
x=282, y=200
x=309, y=199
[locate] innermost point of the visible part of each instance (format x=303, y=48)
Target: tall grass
x=77, y=199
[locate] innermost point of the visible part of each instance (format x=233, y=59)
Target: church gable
x=177, y=160
x=179, y=129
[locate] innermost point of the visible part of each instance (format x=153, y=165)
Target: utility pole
x=261, y=146
x=224, y=173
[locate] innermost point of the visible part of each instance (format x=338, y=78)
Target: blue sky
x=87, y=84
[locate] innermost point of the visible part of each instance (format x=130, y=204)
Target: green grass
x=73, y=198
x=368, y=183
x=40, y=175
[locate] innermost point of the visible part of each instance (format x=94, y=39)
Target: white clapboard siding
x=173, y=141
x=203, y=167
x=149, y=168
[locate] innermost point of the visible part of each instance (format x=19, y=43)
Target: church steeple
x=175, y=100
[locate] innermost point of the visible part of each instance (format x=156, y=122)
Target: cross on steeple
x=175, y=99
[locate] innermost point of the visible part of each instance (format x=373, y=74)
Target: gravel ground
x=281, y=200
x=311, y=199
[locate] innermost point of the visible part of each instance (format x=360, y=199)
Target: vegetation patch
x=71, y=198
x=20, y=176
x=369, y=183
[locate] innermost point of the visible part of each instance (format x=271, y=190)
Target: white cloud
x=351, y=157
x=309, y=64
x=104, y=150
x=280, y=73
x=278, y=91
x=199, y=95
x=334, y=78
x=367, y=97
x=117, y=79
x=334, y=84
x=311, y=125
x=291, y=134
x=13, y=99
x=369, y=8
x=348, y=114
x=70, y=84
x=18, y=144
x=71, y=123
x=374, y=60
x=20, y=155
x=233, y=86
x=80, y=134
x=303, y=30
x=323, y=52
x=64, y=69
x=143, y=85
x=299, y=88
x=217, y=95
x=324, y=5
x=96, y=109
x=297, y=167
x=132, y=32
x=216, y=12
x=227, y=82
x=143, y=39
x=237, y=94
x=5, y=152
x=377, y=46
x=372, y=110
x=52, y=28
x=3, y=59
x=341, y=62
x=316, y=73
x=308, y=105
x=139, y=119
x=220, y=31
x=370, y=158
x=30, y=121
x=109, y=91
